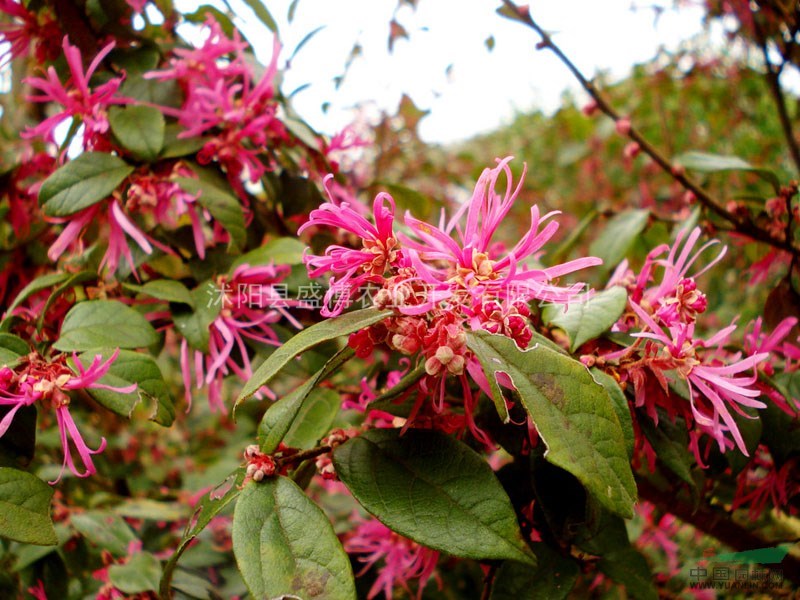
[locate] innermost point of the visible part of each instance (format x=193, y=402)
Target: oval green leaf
x=141, y=369
x=193, y=323
x=164, y=289
x=572, y=413
x=104, y=324
x=283, y=251
x=140, y=574
x=82, y=182
x=434, y=490
x=104, y=529
x=705, y=162
x=584, y=321
x=139, y=129
x=25, y=508
x=283, y=416
x=618, y=236
x=285, y=545
x=12, y=348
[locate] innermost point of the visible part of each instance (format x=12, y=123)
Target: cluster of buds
x=446, y=346
x=324, y=464
x=509, y=319
x=259, y=464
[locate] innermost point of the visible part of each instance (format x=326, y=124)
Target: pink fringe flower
x=27, y=29
x=224, y=101
x=403, y=560
x=39, y=381
x=80, y=101
x=251, y=303
x=120, y=227
x=714, y=386
x=352, y=268
x=440, y=282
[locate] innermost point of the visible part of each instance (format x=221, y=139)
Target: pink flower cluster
x=85, y=105
x=403, y=559
x=225, y=101
x=23, y=30
x=441, y=281
x=250, y=305
x=764, y=483
x=662, y=315
x=48, y=384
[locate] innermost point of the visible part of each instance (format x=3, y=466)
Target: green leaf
x=299, y=195
x=194, y=324
x=584, y=321
x=208, y=507
x=303, y=132
x=200, y=16
x=154, y=510
x=152, y=92
x=619, y=234
x=621, y=407
x=141, y=369
x=104, y=324
x=434, y=490
x=25, y=508
x=140, y=574
x=263, y=14
x=82, y=182
x=314, y=419
x=705, y=162
x=281, y=251
x=164, y=289
x=176, y=147
x=43, y=282
x=553, y=578
x=781, y=431
x=224, y=207
x=308, y=338
x=12, y=349
x=139, y=129
x=281, y=416
x=572, y=412
x=71, y=282
x=105, y=530
x=285, y=545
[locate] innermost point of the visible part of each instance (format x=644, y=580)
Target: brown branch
x=299, y=457
x=744, y=226
x=772, y=76
x=716, y=523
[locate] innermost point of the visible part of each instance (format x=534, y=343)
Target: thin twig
x=772, y=76
x=299, y=457
x=744, y=226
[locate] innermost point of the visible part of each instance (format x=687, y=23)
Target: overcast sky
x=481, y=89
